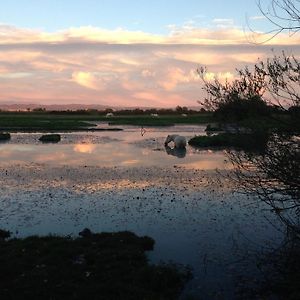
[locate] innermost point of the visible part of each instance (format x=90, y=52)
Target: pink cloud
x=121, y=68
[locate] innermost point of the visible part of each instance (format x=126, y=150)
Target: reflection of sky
x=120, y=148
x=111, y=181
x=193, y=218
x=111, y=154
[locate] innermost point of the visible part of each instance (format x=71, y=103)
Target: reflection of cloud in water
x=50, y=157
x=130, y=162
x=84, y=148
x=209, y=164
x=146, y=152
x=110, y=154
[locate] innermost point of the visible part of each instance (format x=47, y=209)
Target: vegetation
x=66, y=121
x=4, y=136
x=52, y=138
x=166, y=120
x=279, y=274
x=94, y=266
x=246, y=141
x=267, y=99
x=213, y=127
x=273, y=174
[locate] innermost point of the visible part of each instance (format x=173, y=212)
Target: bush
x=238, y=109
x=95, y=266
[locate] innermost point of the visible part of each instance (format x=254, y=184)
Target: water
x=122, y=148
x=111, y=181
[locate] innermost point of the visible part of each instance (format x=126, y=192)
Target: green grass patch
x=244, y=141
x=30, y=123
x=4, y=136
x=50, y=138
x=53, y=122
x=213, y=127
x=95, y=266
x=164, y=120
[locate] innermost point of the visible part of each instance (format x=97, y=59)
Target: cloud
x=255, y=18
x=224, y=33
x=84, y=148
x=85, y=79
x=14, y=75
x=223, y=23
x=222, y=76
x=123, y=68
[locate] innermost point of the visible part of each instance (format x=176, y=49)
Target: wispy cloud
x=224, y=33
x=223, y=23
x=257, y=18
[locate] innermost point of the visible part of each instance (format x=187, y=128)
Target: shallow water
x=121, y=148
x=111, y=181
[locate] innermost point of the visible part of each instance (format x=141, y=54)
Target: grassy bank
x=94, y=266
x=47, y=121
x=167, y=120
x=250, y=142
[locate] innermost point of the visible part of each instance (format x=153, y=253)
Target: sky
x=127, y=53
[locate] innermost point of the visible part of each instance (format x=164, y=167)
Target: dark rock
x=52, y=138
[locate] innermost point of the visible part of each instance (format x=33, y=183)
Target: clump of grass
x=244, y=141
x=94, y=266
x=213, y=127
x=4, y=234
x=4, y=136
x=52, y=138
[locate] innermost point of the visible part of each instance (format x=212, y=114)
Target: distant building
x=109, y=115
x=154, y=115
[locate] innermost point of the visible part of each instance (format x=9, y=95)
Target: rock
x=4, y=136
x=52, y=138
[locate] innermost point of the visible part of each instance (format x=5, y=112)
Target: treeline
x=120, y=112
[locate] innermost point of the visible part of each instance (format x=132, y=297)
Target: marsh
x=127, y=181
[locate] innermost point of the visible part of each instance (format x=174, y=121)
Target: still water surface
x=125, y=180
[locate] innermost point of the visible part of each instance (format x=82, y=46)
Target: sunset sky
x=126, y=53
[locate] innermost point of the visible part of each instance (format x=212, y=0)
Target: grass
x=213, y=127
x=4, y=136
x=164, y=120
x=245, y=141
x=95, y=266
x=52, y=138
x=46, y=121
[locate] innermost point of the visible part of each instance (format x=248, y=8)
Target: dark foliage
x=4, y=136
x=271, y=86
x=96, y=266
x=249, y=142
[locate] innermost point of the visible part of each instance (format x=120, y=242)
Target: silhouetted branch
x=284, y=15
